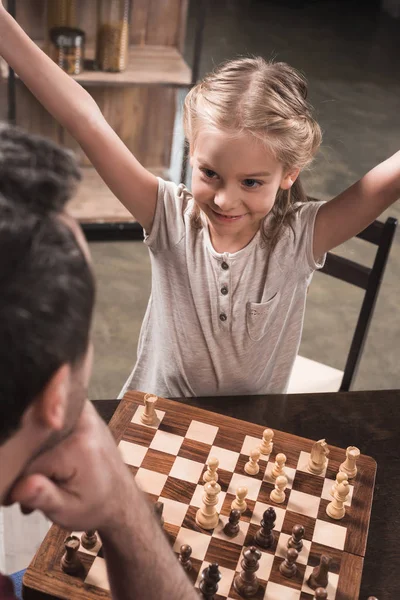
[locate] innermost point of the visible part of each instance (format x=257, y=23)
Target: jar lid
x=67, y=36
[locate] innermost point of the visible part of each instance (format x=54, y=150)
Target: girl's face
x=235, y=181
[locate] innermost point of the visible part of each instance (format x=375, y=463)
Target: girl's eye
x=208, y=173
x=251, y=183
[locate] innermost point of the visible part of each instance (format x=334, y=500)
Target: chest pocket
x=259, y=316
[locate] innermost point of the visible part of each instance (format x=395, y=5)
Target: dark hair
x=46, y=285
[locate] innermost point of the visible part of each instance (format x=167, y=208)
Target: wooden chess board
x=168, y=461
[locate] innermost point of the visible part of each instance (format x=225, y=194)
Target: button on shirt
x=221, y=323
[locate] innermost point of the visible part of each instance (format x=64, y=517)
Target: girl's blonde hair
x=269, y=101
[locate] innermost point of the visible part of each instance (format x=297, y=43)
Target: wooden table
x=369, y=420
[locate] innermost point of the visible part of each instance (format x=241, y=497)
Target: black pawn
x=319, y=576
x=232, y=527
x=158, y=511
x=70, y=562
x=89, y=539
x=264, y=536
x=321, y=594
x=184, y=557
x=288, y=567
x=296, y=540
x=246, y=583
x=209, y=581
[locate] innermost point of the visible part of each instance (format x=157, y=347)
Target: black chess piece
x=296, y=539
x=232, y=527
x=319, y=575
x=288, y=567
x=70, y=562
x=246, y=582
x=184, y=557
x=89, y=539
x=265, y=536
x=158, y=511
x=321, y=594
x=209, y=581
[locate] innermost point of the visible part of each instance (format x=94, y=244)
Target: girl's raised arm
x=74, y=108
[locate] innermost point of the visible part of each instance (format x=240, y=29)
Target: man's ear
x=51, y=404
x=289, y=178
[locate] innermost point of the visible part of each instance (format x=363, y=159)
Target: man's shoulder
x=6, y=588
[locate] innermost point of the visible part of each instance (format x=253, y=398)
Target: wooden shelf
x=147, y=65
x=95, y=203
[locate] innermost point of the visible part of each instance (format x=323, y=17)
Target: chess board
x=168, y=461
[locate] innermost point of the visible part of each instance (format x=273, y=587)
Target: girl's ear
x=289, y=178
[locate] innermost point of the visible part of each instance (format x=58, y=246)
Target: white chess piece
x=267, y=443
x=278, y=494
x=252, y=467
x=149, y=415
x=349, y=465
x=339, y=478
x=239, y=502
x=211, y=473
x=318, y=458
x=207, y=516
x=335, y=509
x=279, y=467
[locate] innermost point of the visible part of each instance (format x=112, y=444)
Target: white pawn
x=339, y=478
x=267, y=443
x=239, y=502
x=279, y=467
x=349, y=465
x=252, y=467
x=211, y=473
x=207, y=516
x=149, y=415
x=335, y=509
x=278, y=494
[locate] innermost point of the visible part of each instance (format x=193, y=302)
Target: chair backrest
x=381, y=235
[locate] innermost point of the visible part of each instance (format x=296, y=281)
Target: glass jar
x=112, y=35
x=61, y=13
x=67, y=48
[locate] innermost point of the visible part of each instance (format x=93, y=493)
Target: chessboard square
x=291, y=519
x=194, y=450
x=132, y=454
x=92, y=551
x=307, y=483
x=197, y=498
x=158, y=461
x=198, y=541
x=150, y=481
x=295, y=582
x=330, y=534
x=249, y=444
x=276, y=591
x=333, y=582
x=187, y=470
x=302, y=503
x=259, y=510
x=302, y=465
x=326, y=491
x=201, y=432
x=224, y=584
x=224, y=553
x=176, y=489
x=137, y=417
x=282, y=548
x=167, y=442
x=239, y=538
x=174, y=512
x=289, y=474
x=265, y=564
x=227, y=458
x=97, y=575
x=242, y=462
x=253, y=485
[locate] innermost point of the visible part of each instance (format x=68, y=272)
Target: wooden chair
x=312, y=376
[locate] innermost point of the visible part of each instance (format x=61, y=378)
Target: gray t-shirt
x=221, y=324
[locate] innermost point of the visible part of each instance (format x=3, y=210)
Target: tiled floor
x=350, y=53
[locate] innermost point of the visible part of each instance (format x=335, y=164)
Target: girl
x=231, y=260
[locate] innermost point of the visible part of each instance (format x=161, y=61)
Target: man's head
x=46, y=295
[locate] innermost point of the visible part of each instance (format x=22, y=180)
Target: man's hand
x=82, y=483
